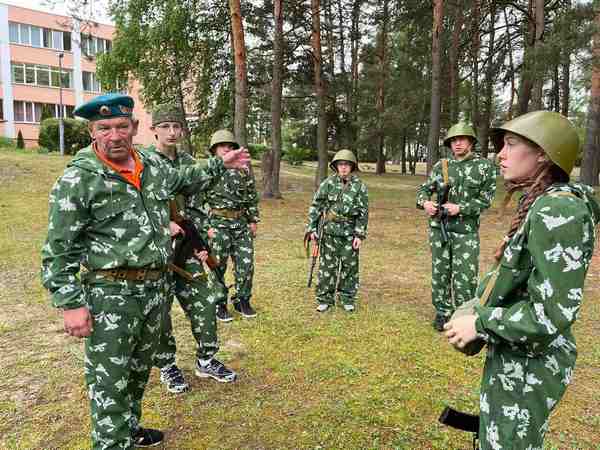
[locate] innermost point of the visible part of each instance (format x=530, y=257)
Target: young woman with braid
x=529, y=301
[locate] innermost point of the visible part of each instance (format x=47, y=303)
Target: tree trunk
x=241, y=77
x=433, y=140
x=187, y=136
x=539, y=72
x=403, y=153
x=380, y=106
x=353, y=88
x=590, y=166
x=512, y=73
x=484, y=128
x=475, y=48
x=555, y=91
x=565, y=88
x=453, y=56
x=320, y=92
x=527, y=71
x=271, y=177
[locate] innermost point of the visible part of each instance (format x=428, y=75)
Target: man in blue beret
x=109, y=213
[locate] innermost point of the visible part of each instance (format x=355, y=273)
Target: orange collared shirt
x=133, y=177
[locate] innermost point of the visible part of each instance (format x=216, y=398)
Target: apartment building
x=37, y=51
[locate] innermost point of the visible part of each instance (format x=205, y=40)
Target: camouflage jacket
x=347, y=205
x=472, y=187
x=100, y=221
x=538, y=286
x=235, y=191
x=187, y=209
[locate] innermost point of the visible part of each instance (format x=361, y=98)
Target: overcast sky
x=62, y=6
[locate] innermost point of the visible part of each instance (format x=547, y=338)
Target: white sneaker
x=322, y=307
x=349, y=307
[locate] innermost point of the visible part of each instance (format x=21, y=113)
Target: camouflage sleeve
x=317, y=206
x=252, y=208
x=194, y=178
x=196, y=210
x=362, y=220
x=482, y=200
x=62, y=253
x=555, y=284
x=426, y=190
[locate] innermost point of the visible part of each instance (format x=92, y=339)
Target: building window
x=21, y=33
x=90, y=82
x=67, y=41
x=36, y=36
x=91, y=45
x=13, y=32
x=39, y=75
x=31, y=112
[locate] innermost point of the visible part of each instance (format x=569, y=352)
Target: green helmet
x=222, y=137
x=550, y=130
x=459, y=129
x=344, y=155
x=167, y=112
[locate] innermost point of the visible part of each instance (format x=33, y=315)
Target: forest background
x=385, y=78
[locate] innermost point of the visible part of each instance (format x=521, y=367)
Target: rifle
x=185, y=245
x=441, y=214
x=461, y=421
x=315, y=247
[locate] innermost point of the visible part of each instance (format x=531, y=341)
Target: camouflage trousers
x=238, y=244
x=198, y=301
x=119, y=353
x=518, y=393
x=454, y=269
x=337, y=257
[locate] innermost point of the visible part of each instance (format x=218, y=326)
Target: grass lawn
x=375, y=379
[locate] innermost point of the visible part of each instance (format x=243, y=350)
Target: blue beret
x=106, y=106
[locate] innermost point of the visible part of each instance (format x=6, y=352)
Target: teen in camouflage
x=535, y=291
x=197, y=297
x=109, y=212
x=232, y=226
x=455, y=263
x=342, y=202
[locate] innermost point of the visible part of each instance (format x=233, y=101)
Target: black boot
x=243, y=307
x=222, y=313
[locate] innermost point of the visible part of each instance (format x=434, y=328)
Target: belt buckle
x=141, y=274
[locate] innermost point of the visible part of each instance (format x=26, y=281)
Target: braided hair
x=545, y=176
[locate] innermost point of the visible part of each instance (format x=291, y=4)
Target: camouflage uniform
x=346, y=206
x=197, y=298
x=235, y=192
x=455, y=265
x=100, y=221
x=527, y=320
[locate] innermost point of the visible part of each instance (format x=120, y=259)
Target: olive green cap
x=344, y=155
x=459, y=129
x=167, y=112
x=222, y=137
x=553, y=132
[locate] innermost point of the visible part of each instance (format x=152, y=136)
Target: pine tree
x=20, y=140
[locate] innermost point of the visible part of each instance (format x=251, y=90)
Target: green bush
x=6, y=142
x=256, y=150
x=76, y=135
x=296, y=155
x=20, y=140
